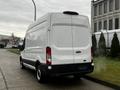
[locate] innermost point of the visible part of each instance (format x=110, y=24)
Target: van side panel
x=36, y=42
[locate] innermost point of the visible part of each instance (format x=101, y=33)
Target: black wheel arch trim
x=32, y=63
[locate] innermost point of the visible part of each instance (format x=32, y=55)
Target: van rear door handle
x=78, y=51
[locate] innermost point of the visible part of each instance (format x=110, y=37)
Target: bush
x=115, y=46
x=94, y=45
x=102, y=45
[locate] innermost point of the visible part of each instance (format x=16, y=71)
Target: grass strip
x=107, y=69
x=16, y=51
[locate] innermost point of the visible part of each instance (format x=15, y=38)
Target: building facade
x=105, y=15
x=9, y=40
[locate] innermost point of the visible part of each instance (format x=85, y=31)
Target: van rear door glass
x=62, y=35
x=81, y=36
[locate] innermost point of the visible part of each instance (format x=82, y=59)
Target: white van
x=58, y=44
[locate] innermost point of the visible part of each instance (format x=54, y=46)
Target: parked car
x=58, y=44
x=2, y=44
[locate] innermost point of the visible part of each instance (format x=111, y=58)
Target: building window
x=117, y=23
x=105, y=25
x=100, y=8
x=105, y=7
x=95, y=27
x=95, y=10
x=100, y=25
x=110, y=5
x=116, y=4
x=110, y=24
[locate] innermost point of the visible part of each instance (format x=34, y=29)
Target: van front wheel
x=40, y=75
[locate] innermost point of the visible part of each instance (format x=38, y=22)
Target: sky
x=17, y=15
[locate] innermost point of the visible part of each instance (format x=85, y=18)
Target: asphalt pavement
x=14, y=78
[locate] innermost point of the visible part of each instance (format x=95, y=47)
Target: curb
x=116, y=87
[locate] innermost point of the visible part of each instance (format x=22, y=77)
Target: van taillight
x=48, y=55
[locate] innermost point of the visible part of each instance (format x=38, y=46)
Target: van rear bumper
x=67, y=69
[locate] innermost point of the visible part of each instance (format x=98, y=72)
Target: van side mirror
x=21, y=47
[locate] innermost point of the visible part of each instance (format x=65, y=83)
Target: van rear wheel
x=40, y=75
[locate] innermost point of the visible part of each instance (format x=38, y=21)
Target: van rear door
x=62, y=49
x=81, y=39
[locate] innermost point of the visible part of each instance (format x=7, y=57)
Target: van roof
x=39, y=20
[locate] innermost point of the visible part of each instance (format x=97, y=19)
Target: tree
x=94, y=44
x=102, y=45
x=115, y=46
x=13, y=39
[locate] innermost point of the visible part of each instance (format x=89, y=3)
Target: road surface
x=14, y=78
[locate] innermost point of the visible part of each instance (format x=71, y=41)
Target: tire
x=21, y=64
x=40, y=75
